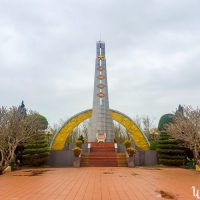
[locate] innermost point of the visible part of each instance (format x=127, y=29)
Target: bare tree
x=138, y=121
x=121, y=133
x=15, y=129
x=57, y=126
x=186, y=128
x=84, y=130
x=3, y=142
x=146, y=124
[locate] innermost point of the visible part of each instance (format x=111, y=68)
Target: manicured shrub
x=81, y=138
x=170, y=151
x=79, y=143
x=77, y=151
x=36, y=151
x=131, y=151
x=153, y=145
x=165, y=119
x=127, y=143
x=42, y=121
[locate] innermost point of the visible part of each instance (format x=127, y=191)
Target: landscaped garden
x=25, y=149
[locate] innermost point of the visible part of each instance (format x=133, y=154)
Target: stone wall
x=64, y=158
x=61, y=158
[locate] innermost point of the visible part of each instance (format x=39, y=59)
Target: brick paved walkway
x=98, y=183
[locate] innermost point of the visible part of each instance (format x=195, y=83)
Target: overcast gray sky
x=47, y=54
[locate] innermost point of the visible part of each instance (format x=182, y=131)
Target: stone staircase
x=103, y=155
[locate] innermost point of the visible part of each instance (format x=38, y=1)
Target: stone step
x=102, y=149
x=104, y=155
x=102, y=144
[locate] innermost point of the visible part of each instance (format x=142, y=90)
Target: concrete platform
x=99, y=183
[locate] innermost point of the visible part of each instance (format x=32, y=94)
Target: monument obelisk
x=100, y=122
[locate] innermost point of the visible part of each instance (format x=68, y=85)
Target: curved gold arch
x=139, y=138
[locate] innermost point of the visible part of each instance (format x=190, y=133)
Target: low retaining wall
x=64, y=158
x=61, y=158
x=145, y=158
x=142, y=158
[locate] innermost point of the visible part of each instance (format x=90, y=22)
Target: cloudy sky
x=47, y=54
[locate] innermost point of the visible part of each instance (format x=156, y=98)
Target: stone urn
x=130, y=152
x=77, y=161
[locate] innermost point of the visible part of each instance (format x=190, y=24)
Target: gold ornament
x=100, y=94
x=59, y=141
x=100, y=77
x=101, y=86
x=101, y=57
x=100, y=68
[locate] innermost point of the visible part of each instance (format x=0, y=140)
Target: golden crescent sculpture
x=60, y=138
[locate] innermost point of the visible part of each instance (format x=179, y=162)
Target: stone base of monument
x=76, y=162
x=64, y=158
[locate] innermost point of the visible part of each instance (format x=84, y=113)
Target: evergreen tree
x=36, y=150
x=22, y=109
x=170, y=151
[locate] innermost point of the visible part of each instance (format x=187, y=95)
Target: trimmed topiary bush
x=131, y=151
x=79, y=143
x=81, y=138
x=77, y=151
x=36, y=151
x=153, y=145
x=127, y=143
x=170, y=152
x=165, y=119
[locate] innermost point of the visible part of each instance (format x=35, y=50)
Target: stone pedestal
x=131, y=162
x=76, y=162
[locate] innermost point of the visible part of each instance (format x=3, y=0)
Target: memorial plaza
x=99, y=183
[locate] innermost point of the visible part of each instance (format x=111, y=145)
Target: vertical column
x=101, y=121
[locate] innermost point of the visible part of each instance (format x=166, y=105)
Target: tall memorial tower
x=100, y=123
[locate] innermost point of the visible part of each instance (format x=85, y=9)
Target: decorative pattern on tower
x=101, y=122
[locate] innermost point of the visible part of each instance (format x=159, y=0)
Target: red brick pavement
x=99, y=183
